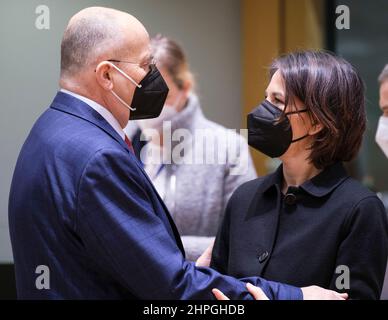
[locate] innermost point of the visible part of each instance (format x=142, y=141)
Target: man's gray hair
x=85, y=39
x=383, y=75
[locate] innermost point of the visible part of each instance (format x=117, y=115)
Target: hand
x=318, y=293
x=205, y=258
x=256, y=292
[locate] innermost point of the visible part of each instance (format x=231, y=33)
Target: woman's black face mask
x=266, y=133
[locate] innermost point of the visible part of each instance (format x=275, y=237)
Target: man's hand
x=318, y=293
x=256, y=292
x=205, y=258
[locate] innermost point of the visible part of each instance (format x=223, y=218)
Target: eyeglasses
x=147, y=66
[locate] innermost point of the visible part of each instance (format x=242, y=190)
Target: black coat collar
x=319, y=186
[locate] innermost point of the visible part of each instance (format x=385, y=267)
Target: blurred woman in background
x=195, y=193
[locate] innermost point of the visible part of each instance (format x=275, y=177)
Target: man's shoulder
x=71, y=142
x=73, y=132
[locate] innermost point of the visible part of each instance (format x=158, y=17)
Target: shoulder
x=362, y=204
x=355, y=190
x=246, y=191
x=85, y=137
x=356, y=196
x=84, y=146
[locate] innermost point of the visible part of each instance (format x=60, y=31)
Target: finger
x=256, y=292
x=219, y=295
x=337, y=296
x=344, y=295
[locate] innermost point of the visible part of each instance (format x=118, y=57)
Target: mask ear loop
x=130, y=79
x=297, y=112
x=301, y=138
x=122, y=101
x=125, y=75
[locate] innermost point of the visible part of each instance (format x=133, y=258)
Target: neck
x=157, y=140
x=80, y=87
x=297, y=170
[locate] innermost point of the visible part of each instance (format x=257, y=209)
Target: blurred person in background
x=195, y=194
x=382, y=129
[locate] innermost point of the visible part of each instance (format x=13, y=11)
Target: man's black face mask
x=149, y=97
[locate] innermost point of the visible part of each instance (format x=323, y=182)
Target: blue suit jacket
x=81, y=204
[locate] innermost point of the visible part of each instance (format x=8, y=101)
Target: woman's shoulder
x=248, y=189
x=361, y=201
x=355, y=192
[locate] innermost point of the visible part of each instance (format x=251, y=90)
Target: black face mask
x=150, y=94
x=266, y=133
x=148, y=101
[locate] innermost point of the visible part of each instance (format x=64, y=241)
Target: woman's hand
x=318, y=293
x=256, y=292
x=205, y=258
x=309, y=293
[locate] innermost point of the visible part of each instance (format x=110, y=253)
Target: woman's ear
x=103, y=75
x=187, y=87
x=315, y=128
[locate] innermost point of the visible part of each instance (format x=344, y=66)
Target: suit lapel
x=71, y=105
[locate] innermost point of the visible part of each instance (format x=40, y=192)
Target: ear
x=103, y=74
x=187, y=87
x=315, y=128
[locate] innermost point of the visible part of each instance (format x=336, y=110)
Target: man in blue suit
x=81, y=206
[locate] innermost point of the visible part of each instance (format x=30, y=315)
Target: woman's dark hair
x=334, y=95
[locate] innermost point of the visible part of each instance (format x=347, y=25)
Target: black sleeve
x=220, y=254
x=364, y=250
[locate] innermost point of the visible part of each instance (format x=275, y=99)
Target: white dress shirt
x=153, y=165
x=101, y=110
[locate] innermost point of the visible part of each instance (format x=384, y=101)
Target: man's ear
x=103, y=75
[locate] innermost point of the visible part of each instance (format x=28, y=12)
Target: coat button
x=290, y=199
x=262, y=257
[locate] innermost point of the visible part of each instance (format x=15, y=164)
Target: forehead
x=138, y=46
x=276, y=84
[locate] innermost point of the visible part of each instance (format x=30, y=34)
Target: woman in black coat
x=308, y=222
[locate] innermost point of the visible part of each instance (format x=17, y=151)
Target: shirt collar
x=101, y=110
x=319, y=186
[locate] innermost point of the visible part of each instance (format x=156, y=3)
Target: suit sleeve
x=363, y=251
x=125, y=237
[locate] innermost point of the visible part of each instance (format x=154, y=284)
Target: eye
x=278, y=101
